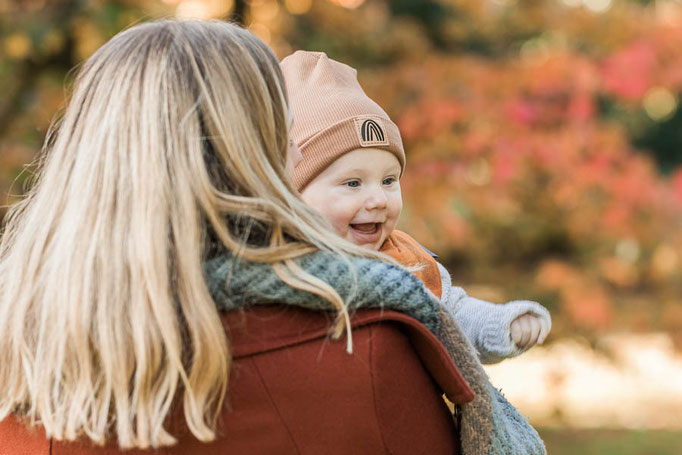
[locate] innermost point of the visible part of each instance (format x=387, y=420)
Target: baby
x=351, y=162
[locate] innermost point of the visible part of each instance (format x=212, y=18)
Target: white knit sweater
x=486, y=324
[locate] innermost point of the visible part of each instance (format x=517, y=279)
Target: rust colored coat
x=294, y=391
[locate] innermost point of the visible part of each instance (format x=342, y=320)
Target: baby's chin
x=370, y=246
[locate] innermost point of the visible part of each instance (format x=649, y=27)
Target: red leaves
x=584, y=300
x=629, y=73
x=504, y=155
x=676, y=183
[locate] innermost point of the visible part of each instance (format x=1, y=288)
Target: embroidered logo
x=371, y=132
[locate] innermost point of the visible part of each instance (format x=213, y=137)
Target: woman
x=163, y=198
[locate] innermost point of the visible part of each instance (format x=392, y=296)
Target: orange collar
x=409, y=253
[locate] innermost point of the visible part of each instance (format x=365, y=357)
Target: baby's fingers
x=535, y=330
x=523, y=329
x=516, y=332
x=528, y=330
x=544, y=330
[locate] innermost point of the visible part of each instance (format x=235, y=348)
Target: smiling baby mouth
x=366, y=228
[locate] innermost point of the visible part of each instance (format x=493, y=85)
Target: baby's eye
x=388, y=180
x=352, y=183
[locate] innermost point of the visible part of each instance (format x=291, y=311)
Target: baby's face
x=359, y=194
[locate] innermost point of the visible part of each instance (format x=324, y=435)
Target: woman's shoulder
x=289, y=380
x=327, y=398
x=260, y=330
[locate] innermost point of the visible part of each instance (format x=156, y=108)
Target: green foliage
x=611, y=442
x=664, y=139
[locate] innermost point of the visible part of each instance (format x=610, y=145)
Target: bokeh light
x=202, y=9
x=659, y=103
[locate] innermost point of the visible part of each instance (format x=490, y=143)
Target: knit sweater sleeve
x=486, y=324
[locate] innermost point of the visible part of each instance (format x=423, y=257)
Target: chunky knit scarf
x=489, y=424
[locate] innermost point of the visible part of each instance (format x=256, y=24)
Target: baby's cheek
x=340, y=228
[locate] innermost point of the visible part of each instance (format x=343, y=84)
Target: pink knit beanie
x=332, y=114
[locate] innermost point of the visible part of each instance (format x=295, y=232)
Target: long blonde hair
x=173, y=130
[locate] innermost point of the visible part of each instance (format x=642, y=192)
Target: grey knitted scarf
x=490, y=425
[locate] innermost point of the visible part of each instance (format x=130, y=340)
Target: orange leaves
x=13, y=158
x=555, y=275
x=515, y=118
x=17, y=46
x=583, y=299
x=508, y=129
x=88, y=37
x=588, y=307
x=442, y=114
x=676, y=184
x=523, y=146
x=618, y=272
x=665, y=262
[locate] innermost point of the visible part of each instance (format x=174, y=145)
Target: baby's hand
x=528, y=330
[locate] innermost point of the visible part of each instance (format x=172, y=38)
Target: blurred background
x=544, y=143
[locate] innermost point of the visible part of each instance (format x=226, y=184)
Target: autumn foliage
x=518, y=176
x=528, y=128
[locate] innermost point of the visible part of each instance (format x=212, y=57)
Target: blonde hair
x=175, y=139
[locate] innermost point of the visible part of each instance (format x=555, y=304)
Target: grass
x=612, y=442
